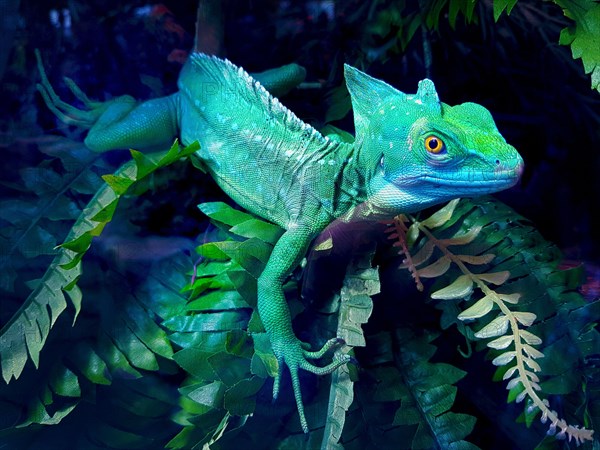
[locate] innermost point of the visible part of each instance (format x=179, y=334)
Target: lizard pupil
x=434, y=144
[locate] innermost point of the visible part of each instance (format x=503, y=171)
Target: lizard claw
x=295, y=355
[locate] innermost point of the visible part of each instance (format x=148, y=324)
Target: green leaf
x=210, y=395
x=501, y=5
x=195, y=362
x=64, y=382
x=240, y=399
x=218, y=300
x=143, y=163
x=221, y=212
x=153, y=337
x=87, y=361
x=38, y=414
x=264, y=362
x=218, y=321
x=584, y=38
x=27, y=331
x=259, y=229
x=229, y=368
x=117, y=183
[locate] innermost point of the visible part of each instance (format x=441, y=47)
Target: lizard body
x=410, y=152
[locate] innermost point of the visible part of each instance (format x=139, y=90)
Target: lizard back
x=258, y=151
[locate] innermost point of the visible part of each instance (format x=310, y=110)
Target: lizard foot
x=295, y=354
x=69, y=114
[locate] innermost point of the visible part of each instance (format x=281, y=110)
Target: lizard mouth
x=480, y=182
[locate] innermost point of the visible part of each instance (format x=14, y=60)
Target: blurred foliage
x=167, y=349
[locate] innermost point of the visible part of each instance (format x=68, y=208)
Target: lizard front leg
x=275, y=315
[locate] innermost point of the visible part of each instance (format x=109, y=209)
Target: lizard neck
x=370, y=196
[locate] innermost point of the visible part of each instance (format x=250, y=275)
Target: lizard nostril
x=497, y=162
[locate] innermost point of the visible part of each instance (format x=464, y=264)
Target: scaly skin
x=410, y=152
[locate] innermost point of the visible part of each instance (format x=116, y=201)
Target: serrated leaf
x=27, y=331
x=117, y=183
x=496, y=327
x=584, y=38
x=143, y=163
x=459, y=288
x=435, y=269
x=479, y=309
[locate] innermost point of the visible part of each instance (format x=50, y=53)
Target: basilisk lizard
x=410, y=152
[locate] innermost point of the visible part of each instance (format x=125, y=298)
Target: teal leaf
x=240, y=399
x=502, y=5
x=210, y=395
x=64, y=382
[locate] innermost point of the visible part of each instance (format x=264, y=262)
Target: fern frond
x=400, y=232
x=24, y=336
x=512, y=340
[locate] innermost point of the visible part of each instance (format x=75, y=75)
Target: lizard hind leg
x=121, y=122
x=65, y=112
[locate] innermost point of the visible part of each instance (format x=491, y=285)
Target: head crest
x=368, y=95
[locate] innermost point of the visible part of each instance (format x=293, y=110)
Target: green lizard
x=410, y=152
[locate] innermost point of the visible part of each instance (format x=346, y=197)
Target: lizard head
x=419, y=151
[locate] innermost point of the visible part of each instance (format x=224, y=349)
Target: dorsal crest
x=219, y=80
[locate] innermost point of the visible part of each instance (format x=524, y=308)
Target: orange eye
x=434, y=145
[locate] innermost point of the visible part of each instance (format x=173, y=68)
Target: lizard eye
x=435, y=145
x=382, y=161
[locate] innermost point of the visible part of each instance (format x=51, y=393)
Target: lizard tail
x=209, y=28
